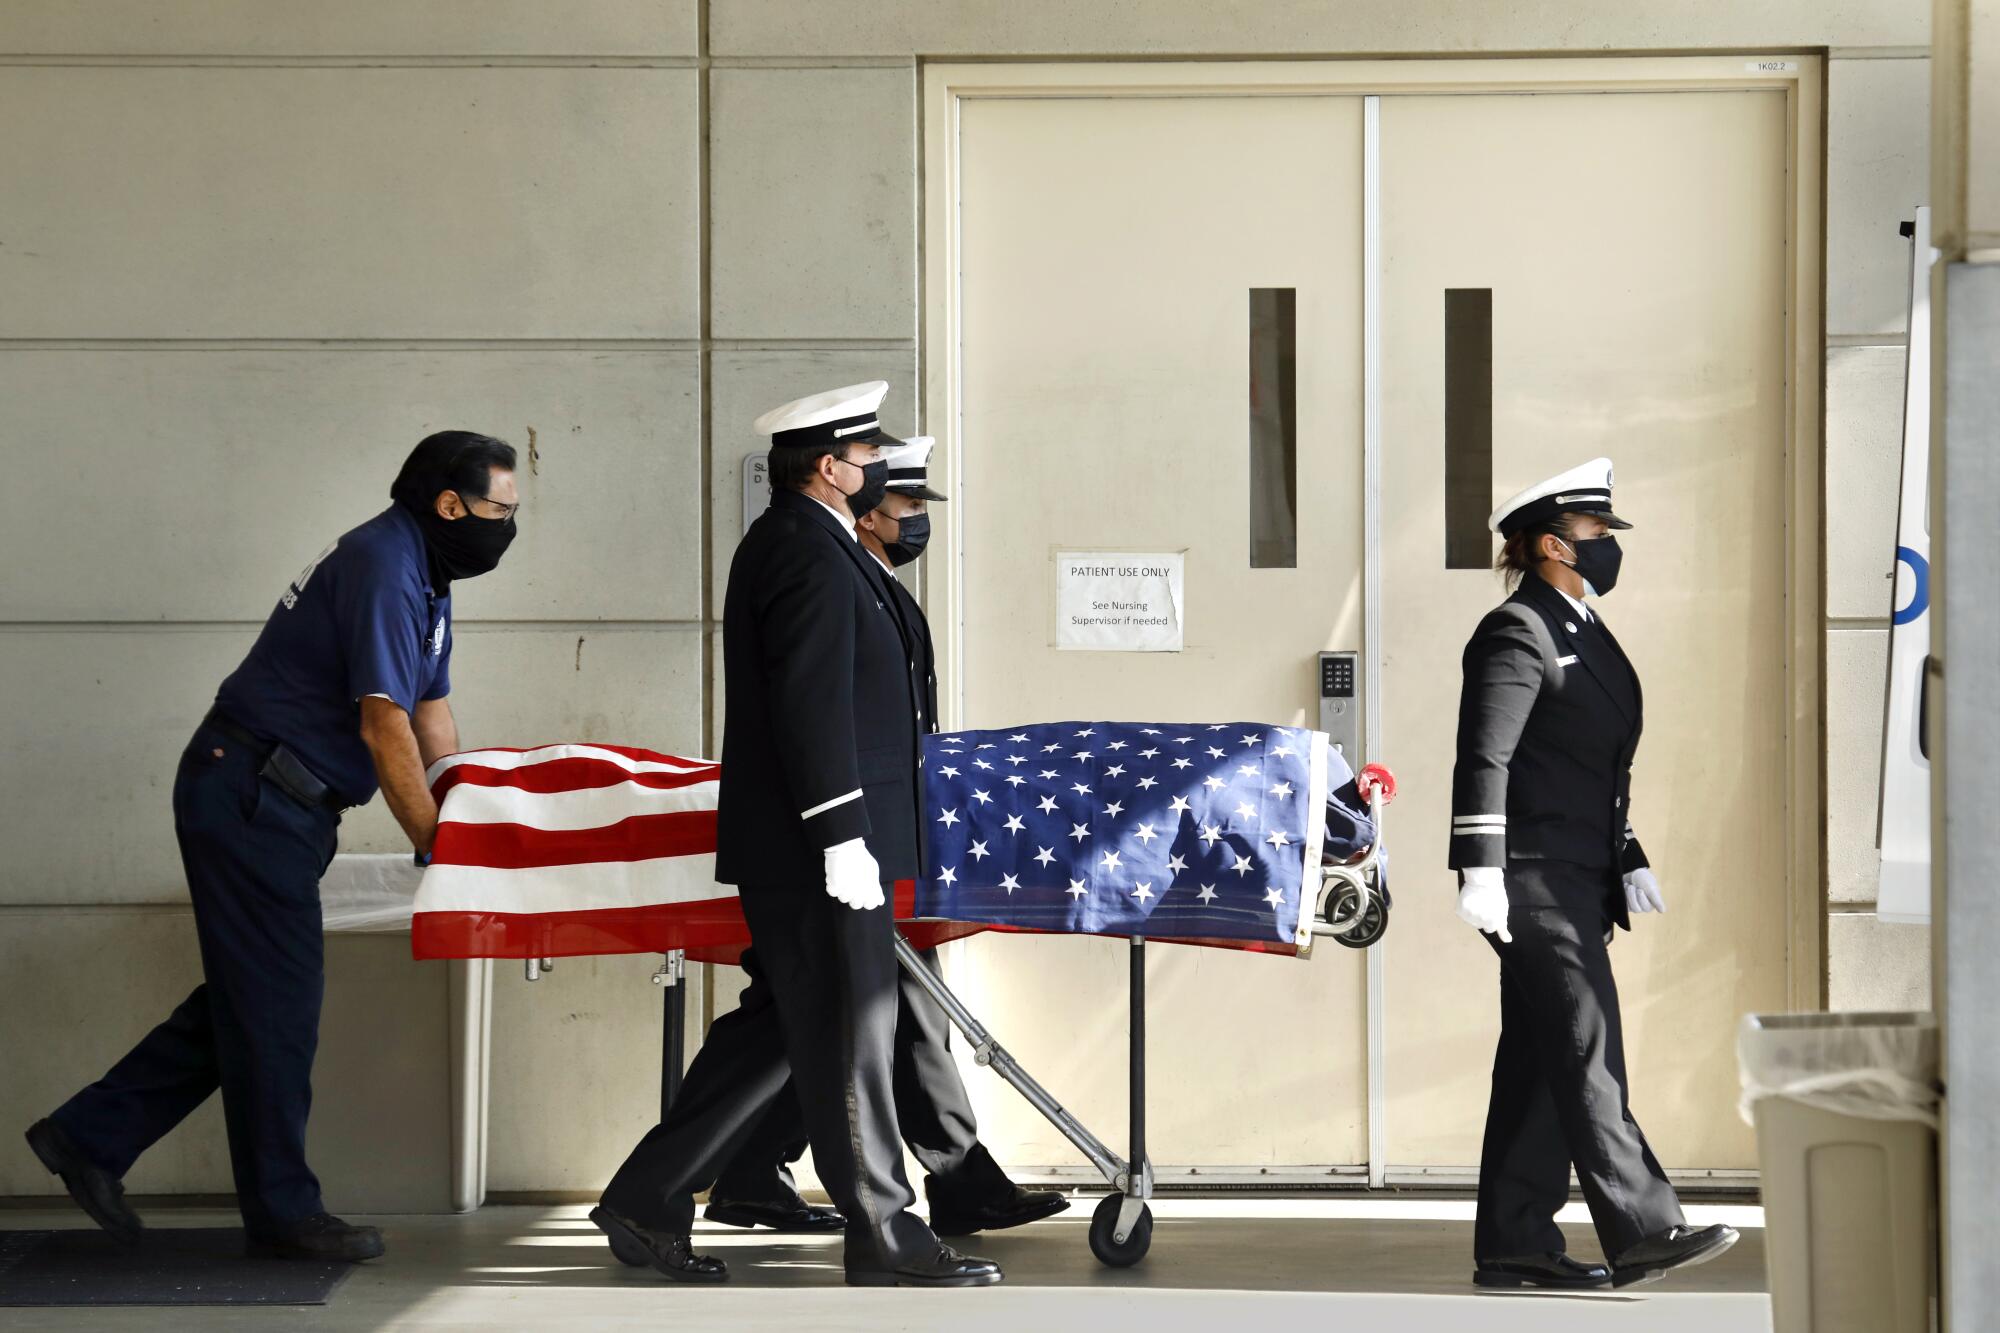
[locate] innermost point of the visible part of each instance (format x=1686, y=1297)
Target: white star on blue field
x=1194, y=830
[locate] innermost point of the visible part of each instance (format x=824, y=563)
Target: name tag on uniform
x=1566, y=661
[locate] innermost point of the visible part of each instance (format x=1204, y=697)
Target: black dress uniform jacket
x=821, y=728
x=1548, y=723
x=923, y=659
x=932, y=1109
x=820, y=746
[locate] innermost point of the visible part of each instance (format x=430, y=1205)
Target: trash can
x=1845, y=1107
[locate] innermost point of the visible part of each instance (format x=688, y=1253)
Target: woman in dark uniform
x=1541, y=835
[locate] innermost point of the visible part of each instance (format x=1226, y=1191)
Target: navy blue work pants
x=254, y=857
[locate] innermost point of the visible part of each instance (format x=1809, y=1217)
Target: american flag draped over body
x=1208, y=832
x=574, y=849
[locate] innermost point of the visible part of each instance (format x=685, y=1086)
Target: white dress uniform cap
x=1581, y=490
x=909, y=464
x=838, y=416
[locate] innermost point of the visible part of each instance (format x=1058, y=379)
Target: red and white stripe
x=566, y=850
x=573, y=849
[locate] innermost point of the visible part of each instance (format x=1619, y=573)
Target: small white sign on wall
x=756, y=486
x=1119, y=601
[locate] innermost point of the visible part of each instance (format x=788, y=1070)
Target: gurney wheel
x=1104, y=1222
x=1346, y=903
x=1374, y=924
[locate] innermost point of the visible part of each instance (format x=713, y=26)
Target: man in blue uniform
x=344, y=692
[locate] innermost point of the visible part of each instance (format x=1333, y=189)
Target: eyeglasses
x=506, y=511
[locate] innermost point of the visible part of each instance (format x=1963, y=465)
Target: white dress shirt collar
x=1581, y=609
x=846, y=519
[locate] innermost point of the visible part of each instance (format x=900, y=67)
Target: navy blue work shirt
x=360, y=620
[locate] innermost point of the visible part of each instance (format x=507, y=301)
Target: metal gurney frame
x=1352, y=907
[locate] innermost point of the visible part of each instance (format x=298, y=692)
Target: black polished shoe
x=944, y=1268
x=96, y=1191
x=792, y=1217
x=321, y=1238
x=664, y=1252
x=1557, y=1272
x=1676, y=1247
x=954, y=1215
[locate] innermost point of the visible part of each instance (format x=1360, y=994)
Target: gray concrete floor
x=1259, y=1264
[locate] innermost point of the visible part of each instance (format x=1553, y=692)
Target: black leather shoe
x=1676, y=1247
x=944, y=1268
x=793, y=1217
x=952, y=1215
x=96, y=1191
x=322, y=1237
x=664, y=1252
x=1557, y=1272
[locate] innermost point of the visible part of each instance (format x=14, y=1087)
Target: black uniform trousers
x=254, y=857
x=821, y=1008
x=932, y=1110
x=1559, y=1091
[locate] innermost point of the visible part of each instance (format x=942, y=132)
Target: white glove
x=1482, y=902
x=1642, y=892
x=852, y=877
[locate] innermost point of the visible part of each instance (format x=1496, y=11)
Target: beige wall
x=251, y=250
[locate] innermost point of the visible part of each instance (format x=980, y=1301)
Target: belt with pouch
x=280, y=766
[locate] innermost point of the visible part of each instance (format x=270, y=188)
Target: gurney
x=573, y=850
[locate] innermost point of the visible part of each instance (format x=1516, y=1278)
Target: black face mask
x=466, y=547
x=874, y=486
x=1597, y=562
x=459, y=548
x=913, y=534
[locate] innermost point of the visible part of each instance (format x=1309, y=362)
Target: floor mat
x=171, y=1266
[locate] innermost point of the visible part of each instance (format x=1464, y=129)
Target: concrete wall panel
x=1876, y=967
x=518, y=28
x=576, y=1072
x=82, y=987
x=814, y=191
x=348, y=203
x=223, y=473
x=1877, y=172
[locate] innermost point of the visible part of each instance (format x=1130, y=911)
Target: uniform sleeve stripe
x=1480, y=821
x=825, y=806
